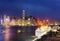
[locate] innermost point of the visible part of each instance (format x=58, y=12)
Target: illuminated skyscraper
x=4, y=18
x=23, y=18
x=23, y=15
x=8, y=19
x=1, y=22
x=29, y=21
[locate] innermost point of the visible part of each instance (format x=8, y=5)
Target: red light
x=47, y=20
x=38, y=26
x=38, y=19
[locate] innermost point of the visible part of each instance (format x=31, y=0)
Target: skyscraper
x=23, y=15
x=23, y=18
x=5, y=18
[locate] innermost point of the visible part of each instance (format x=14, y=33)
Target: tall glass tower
x=23, y=15
x=23, y=18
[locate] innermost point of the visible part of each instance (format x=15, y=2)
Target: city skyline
x=37, y=8
x=29, y=20
x=25, y=21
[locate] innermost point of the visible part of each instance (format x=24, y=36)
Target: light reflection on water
x=1, y=34
x=8, y=36
x=12, y=35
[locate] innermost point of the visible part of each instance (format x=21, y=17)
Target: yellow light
x=56, y=23
x=54, y=30
x=58, y=35
x=3, y=31
x=19, y=31
x=28, y=22
x=33, y=36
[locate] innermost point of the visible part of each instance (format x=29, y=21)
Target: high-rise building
x=23, y=18
x=4, y=18
x=23, y=15
x=1, y=21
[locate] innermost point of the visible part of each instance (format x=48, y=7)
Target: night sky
x=37, y=8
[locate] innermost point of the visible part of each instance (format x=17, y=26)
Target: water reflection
x=9, y=34
x=1, y=34
x=16, y=33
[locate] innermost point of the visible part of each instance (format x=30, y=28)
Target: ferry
x=43, y=30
